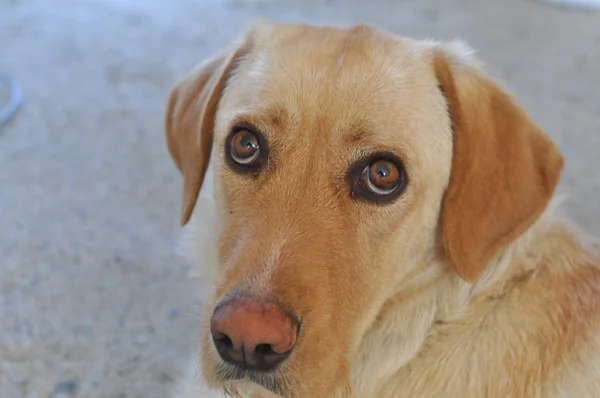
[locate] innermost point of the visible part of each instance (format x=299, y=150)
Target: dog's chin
x=234, y=380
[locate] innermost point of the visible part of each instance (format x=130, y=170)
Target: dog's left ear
x=504, y=170
x=190, y=119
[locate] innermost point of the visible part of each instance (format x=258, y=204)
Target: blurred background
x=94, y=299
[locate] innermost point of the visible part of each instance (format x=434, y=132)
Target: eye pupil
x=383, y=171
x=248, y=142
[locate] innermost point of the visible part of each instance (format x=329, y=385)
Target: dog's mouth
x=269, y=380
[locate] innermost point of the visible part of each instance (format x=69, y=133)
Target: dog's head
x=344, y=159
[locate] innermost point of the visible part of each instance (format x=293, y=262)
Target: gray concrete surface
x=91, y=290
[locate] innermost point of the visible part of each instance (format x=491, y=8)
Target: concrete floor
x=94, y=301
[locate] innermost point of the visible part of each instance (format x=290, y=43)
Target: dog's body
x=467, y=284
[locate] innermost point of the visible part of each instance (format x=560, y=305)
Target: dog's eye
x=381, y=177
x=378, y=180
x=244, y=147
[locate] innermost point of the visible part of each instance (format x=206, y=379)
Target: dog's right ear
x=505, y=168
x=190, y=119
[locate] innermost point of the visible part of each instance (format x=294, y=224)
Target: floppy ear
x=504, y=169
x=190, y=120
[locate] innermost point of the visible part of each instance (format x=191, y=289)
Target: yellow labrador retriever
x=380, y=225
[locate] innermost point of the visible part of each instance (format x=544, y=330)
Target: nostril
x=222, y=340
x=264, y=349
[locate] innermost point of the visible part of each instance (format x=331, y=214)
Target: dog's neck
x=417, y=344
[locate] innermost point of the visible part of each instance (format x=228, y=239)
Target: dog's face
x=344, y=160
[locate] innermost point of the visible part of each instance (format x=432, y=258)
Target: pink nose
x=251, y=334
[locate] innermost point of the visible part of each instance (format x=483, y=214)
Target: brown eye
x=244, y=147
x=381, y=177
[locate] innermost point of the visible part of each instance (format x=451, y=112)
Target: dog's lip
x=275, y=386
x=259, y=378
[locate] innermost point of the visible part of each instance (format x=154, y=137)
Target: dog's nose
x=253, y=334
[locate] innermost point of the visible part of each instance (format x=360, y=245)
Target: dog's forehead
x=312, y=59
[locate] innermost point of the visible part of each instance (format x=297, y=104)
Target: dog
x=379, y=220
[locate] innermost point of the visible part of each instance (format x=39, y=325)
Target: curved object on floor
x=15, y=99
